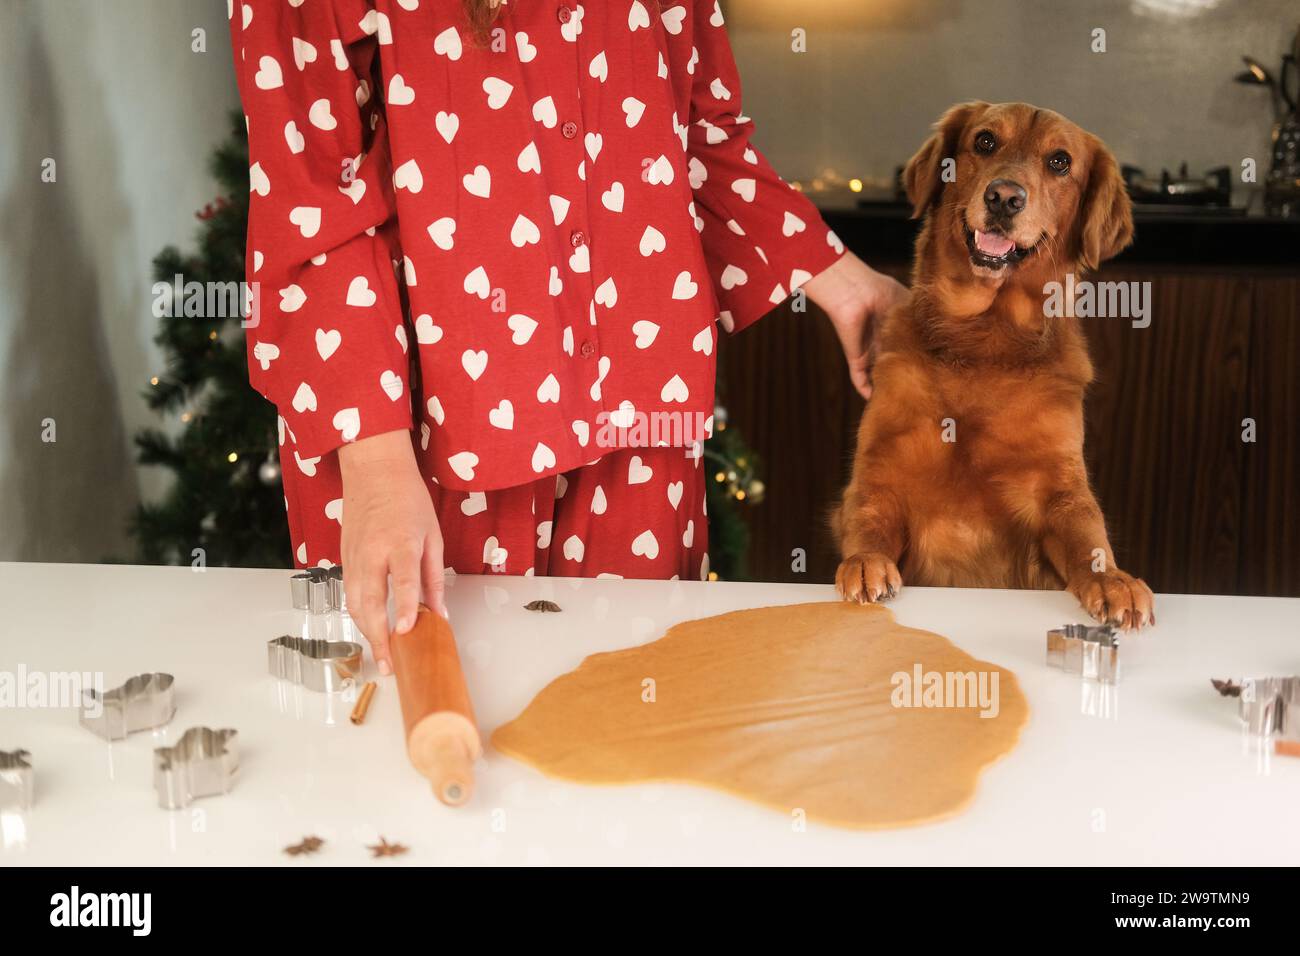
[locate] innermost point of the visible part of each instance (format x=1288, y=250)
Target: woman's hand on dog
x=856, y=298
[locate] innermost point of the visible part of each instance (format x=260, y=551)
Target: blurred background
x=842, y=92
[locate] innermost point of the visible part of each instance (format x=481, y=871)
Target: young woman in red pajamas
x=479, y=255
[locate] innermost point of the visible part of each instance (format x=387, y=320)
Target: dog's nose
x=1003, y=197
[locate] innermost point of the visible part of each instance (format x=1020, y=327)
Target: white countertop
x=1155, y=771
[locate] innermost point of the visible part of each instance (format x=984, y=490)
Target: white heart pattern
x=447, y=125
x=543, y=458
x=645, y=332
x=479, y=182
x=463, y=464
x=408, y=176
x=360, y=294
x=675, y=490
x=399, y=94
x=574, y=549
x=638, y=473
x=685, y=287
x=442, y=232
x=392, y=385
x=426, y=333
x=522, y=328
x=474, y=363
x=646, y=545
x=503, y=416
x=652, y=241
x=304, y=400
x=498, y=92
x=327, y=343
x=348, y=422
x=307, y=219
x=524, y=232
x=447, y=43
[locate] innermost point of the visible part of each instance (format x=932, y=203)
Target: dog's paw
x=867, y=578
x=1116, y=597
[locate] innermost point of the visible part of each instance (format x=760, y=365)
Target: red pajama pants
x=634, y=513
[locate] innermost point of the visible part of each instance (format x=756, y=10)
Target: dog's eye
x=1059, y=162
x=984, y=142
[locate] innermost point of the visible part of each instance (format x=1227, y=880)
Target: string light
x=738, y=474
x=233, y=457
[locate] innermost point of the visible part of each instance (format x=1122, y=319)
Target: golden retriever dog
x=969, y=467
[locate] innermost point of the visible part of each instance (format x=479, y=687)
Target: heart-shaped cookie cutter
x=16, y=784
x=324, y=666
x=142, y=703
x=203, y=763
x=1091, y=650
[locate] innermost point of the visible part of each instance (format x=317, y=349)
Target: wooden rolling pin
x=441, y=738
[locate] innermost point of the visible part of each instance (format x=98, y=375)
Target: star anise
x=1226, y=687
x=384, y=848
x=308, y=845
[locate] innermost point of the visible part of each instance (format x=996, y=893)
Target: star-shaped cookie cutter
x=324, y=666
x=319, y=590
x=16, y=784
x=1091, y=650
x=143, y=702
x=203, y=763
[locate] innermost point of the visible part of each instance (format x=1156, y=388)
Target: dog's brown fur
x=971, y=357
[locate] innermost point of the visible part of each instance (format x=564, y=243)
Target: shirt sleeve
x=325, y=334
x=762, y=238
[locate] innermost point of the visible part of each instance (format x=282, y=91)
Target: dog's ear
x=923, y=174
x=1106, y=213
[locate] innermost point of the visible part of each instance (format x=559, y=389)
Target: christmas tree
x=226, y=498
x=225, y=506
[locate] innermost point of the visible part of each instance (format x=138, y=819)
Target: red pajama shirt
x=520, y=250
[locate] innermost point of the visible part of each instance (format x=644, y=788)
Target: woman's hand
x=855, y=297
x=389, y=529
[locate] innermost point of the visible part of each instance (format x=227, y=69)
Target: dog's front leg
x=1075, y=542
x=872, y=535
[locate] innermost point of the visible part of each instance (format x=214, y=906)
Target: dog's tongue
x=992, y=244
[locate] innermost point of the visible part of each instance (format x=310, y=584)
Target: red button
x=569, y=130
x=578, y=238
x=565, y=14
x=588, y=350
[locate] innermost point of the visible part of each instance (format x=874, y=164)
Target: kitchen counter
x=882, y=231
x=1155, y=771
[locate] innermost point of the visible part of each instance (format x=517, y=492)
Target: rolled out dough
x=796, y=707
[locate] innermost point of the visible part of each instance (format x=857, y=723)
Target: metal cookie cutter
x=202, y=764
x=143, y=702
x=322, y=666
x=1091, y=650
x=15, y=780
x=319, y=590
x=1269, y=708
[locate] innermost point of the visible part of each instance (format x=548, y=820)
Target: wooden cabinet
x=1190, y=505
